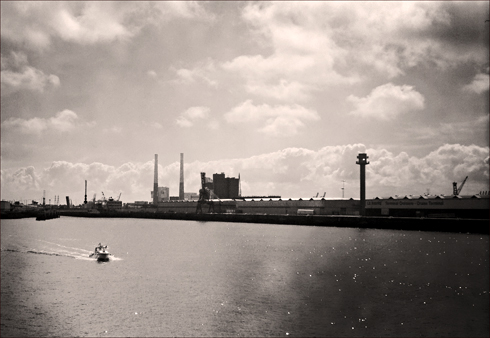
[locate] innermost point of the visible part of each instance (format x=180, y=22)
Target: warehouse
x=467, y=206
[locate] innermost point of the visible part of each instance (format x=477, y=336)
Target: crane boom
x=456, y=189
x=462, y=184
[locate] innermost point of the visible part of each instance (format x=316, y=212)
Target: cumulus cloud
x=189, y=117
x=479, y=84
x=17, y=75
x=449, y=132
x=315, y=45
x=278, y=120
x=22, y=179
x=63, y=121
x=36, y=24
x=154, y=125
x=184, y=9
x=290, y=172
x=436, y=171
x=387, y=101
x=204, y=72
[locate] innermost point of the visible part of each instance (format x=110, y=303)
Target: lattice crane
x=456, y=189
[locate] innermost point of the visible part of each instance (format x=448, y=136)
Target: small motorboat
x=101, y=253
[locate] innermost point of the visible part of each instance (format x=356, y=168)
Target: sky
x=284, y=94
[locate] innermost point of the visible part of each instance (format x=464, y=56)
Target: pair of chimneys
x=155, y=180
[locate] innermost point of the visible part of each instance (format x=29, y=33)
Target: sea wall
x=276, y=207
x=396, y=223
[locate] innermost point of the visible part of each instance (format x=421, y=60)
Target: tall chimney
x=181, y=185
x=85, y=201
x=155, y=182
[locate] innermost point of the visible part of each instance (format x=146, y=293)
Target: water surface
x=186, y=278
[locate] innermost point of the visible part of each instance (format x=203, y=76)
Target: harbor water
x=187, y=278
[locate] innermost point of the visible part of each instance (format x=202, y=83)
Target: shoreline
x=476, y=226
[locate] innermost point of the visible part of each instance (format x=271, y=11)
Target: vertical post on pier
x=181, y=182
x=363, y=161
x=155, y=183
x=85, y=200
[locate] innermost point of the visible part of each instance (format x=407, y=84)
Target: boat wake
x=53, y=249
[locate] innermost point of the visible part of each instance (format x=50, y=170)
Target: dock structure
x=181, y=183
x=155, y=182
x=363, y=161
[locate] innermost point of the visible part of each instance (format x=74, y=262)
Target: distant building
x=137, y=204
x=461, y=206
x=113, y=204
x=5, y=206
x=226, y=187
x=190, y=196
x=163, y=194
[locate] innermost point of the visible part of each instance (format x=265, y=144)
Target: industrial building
x=277, y=206
x=460, y=206
x=222, y=194
x=226, y=187
x=163, y=194
x=475, y=206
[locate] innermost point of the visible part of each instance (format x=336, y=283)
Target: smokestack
x=181, y=185
x=155, y=182
x=85, y=201
x=68, y=201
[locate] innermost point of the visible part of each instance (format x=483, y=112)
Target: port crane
x=119, y=196
x=456, y=189
x=204, y=195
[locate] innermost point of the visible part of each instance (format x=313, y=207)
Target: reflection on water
x=179, y=278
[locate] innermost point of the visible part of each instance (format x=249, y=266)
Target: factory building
x=163, y=194
x=226, y=187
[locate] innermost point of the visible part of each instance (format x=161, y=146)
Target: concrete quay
x=477, y=226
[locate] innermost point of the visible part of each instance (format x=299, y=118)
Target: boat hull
x=103, y=256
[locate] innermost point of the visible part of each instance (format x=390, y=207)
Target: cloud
x=154, y=125
x=202, y=72
x=436, y=171
x=36, y=24
x=184, y=9
x=387, y=101
x=290, y=172
x=63, y=121
x=311, y=46
x=479, y=84
x=22, y=179
x=152, y=74
x=113, y=129
x=449, y=132
x=189, y=117
x=273, y=120
x=18, y=75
